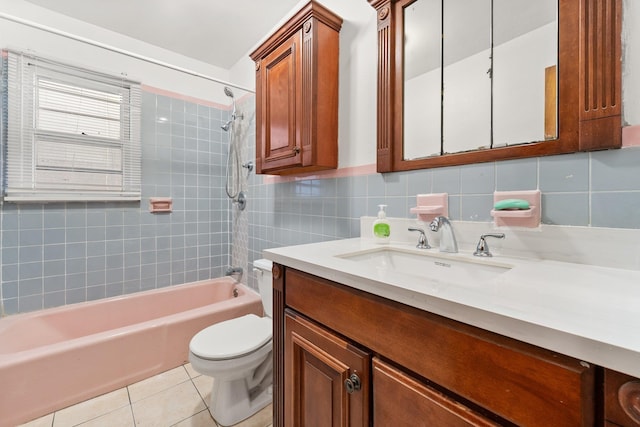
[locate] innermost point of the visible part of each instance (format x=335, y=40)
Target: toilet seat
x=232, y=338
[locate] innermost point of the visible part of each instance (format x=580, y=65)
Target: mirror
x=469, y=81
x=483, y=63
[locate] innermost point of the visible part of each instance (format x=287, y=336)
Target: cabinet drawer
x=521, y=383
x=400, y=400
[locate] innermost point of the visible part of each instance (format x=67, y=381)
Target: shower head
x=225, y=127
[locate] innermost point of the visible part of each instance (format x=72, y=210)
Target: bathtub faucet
x=233, y=270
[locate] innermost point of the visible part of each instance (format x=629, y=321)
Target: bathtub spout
x=233, y=270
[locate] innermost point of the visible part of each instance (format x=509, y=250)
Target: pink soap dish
x=528, y=218
x=427, y=210
x=515, y=213
x=430, y=206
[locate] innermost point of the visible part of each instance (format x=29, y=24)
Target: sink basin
x=423, y=265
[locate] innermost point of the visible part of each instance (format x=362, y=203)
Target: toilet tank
x=262, y=268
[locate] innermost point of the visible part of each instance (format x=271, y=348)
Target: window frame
x=71, y=178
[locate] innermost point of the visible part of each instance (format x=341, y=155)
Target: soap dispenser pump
x=381, y=227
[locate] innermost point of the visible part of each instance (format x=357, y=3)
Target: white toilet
x=237, y=354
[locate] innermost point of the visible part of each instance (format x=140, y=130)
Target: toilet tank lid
x=263, y=264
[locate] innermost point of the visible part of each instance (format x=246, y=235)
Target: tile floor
x=178, y=397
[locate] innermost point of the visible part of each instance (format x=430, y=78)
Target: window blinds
x=72, y=133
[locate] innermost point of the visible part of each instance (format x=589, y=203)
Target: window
x=72, y=134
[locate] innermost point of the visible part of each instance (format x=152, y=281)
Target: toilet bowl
x=237, y=353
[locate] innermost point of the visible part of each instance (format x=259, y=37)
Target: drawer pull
x=629, y=398
x=352, y=383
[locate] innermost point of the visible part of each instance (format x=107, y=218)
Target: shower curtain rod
x=118, y=50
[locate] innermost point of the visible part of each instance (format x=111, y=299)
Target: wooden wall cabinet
x=589, y=87
x=416, y=368
x=297, y=94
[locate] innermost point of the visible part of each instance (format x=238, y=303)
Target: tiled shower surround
x=64, y=253
x=61, y=253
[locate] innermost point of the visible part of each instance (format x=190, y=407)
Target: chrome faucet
x=422, y=239
x=482, y=249
x=447, y=239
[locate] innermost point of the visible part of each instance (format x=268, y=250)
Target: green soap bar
x=511, y=204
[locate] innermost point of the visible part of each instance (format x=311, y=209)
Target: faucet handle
x=422, y=239
x=483, y=247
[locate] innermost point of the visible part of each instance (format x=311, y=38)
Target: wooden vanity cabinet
x=297, y=94
x=425, y=369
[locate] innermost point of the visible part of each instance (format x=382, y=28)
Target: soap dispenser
x=381, y=227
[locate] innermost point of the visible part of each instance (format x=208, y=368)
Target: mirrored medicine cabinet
x=469, y=81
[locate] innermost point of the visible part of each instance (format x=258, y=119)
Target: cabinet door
x=279, y=129
x=400, y=400
x=317, y=366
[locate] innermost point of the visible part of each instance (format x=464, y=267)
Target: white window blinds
x=72, y=134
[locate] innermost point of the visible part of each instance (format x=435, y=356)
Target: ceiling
x=217, y=32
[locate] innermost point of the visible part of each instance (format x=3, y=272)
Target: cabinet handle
x=352, y=383
x=629, y=398
x=296, y=150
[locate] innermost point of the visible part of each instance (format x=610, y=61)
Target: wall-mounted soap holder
x=529, y=218
x=430, y=206
x=160, y=204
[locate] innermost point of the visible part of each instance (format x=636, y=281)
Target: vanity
x=391, y=335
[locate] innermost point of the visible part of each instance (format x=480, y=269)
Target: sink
x=388, y=261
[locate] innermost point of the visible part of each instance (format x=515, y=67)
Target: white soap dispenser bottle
x=381, y=227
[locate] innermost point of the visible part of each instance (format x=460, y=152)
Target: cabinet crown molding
x=313, y=9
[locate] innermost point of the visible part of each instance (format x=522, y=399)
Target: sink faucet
x=422, y=240
x=482, y=249
x=447, y=239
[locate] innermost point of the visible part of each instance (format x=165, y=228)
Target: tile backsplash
x=598, y=189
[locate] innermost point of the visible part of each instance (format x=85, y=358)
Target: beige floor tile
x=192, y=372
x=262, y=419
x=45, y=421
x=204, y=384
x=91, y=409
x=160, y=382
x=122, y=417
x=201, y=419
x=169, y=406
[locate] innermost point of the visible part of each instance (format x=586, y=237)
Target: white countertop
x=588, y=312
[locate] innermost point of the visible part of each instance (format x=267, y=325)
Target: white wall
x=23, y=37
x=358, y=65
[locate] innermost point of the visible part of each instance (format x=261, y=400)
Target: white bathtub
x=57, y=357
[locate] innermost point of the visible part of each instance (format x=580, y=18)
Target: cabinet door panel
x=400, y=400
x=281, y=82
x=317, y=364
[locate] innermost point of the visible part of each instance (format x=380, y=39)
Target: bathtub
x=57, y=357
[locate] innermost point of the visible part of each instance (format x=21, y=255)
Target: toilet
x=237, y=353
